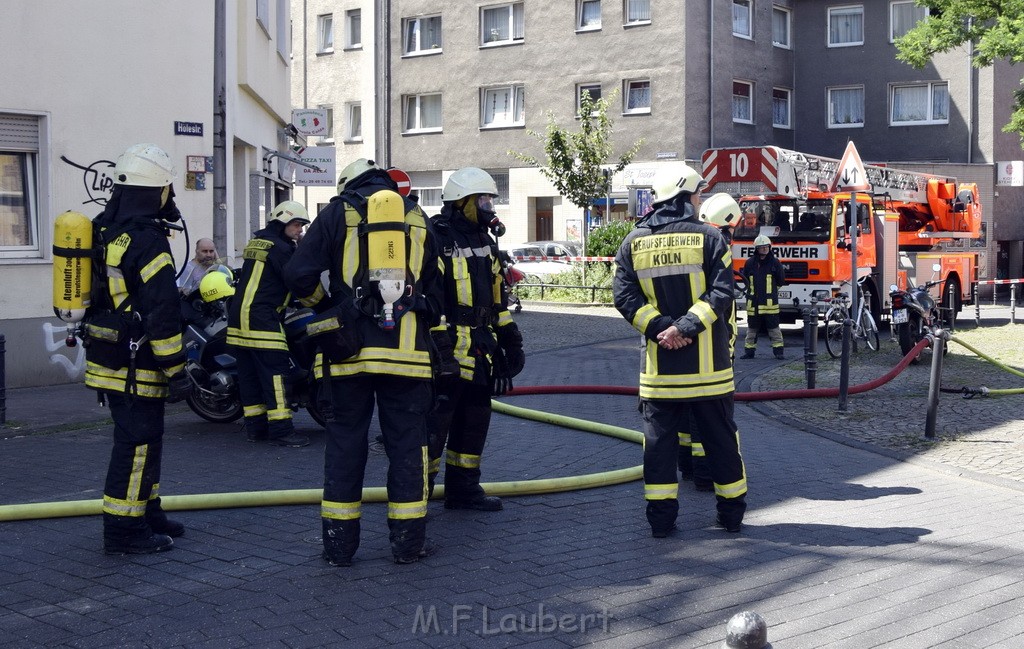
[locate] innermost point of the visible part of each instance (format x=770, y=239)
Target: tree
x=575, y=159
x=995, y=26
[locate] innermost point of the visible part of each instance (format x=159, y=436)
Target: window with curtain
x=422, y=112
x=19, y=192
x=903, y=16
x=920, y=104
x=845, y=107
x=501, y=182
x=354, y=18
x=329, y=136
x=637, y=96
x=741, y=14
x=422, y=34
x=780, y=107
x=503, y=106
x=780, y=27
x=637, y=11
x=588, y=14
x=846, y=26
x=325, y=33
x=743, y=102
x=593, y=88
x=501, y=23
x=354, y=130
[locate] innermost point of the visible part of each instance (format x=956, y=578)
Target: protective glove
x=511, y=342
x=447, y=365
x=501, y=375
x=180, y=386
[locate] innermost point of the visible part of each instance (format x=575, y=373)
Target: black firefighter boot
x=341, y=540
x=159, y=522
x=130, y=535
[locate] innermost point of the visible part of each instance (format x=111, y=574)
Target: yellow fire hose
x=29, y=511
x=988, y=392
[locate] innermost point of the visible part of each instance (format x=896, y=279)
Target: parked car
x=534, y=269
x=558, y=248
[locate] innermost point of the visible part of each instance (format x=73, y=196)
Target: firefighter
x=764, y=275
x=134, y=356
x=374, y=351
x=673, y=282
x=480, y=346
x=255, y=330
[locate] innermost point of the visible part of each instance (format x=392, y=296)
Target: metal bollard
x=1013, y=303
x=811, y=343
x=844, y=365
x=3, y=379
x=746, y=630
x=952, y=297
x=977, y=308
x=939, y=337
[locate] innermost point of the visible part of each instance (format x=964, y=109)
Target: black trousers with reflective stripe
x=460, y=421
x=402, y=407
x=261, y=382
x=134, y=464
x=662, y=422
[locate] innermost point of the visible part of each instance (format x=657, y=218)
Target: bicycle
x=864, y=327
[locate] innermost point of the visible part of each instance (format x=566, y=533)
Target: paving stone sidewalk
x=843, y=546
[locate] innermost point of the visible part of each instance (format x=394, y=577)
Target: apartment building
x=460, y=83
x=208, y=81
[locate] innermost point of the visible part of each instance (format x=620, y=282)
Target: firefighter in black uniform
x=255, y=329
x=383, y=359
x=764, y=275
x=134, y=355
x=478, y=340
x=674, y=284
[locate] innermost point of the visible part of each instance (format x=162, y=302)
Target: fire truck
x=905, y=221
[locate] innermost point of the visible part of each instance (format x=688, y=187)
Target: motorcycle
x=914, y=313
x=212, y=368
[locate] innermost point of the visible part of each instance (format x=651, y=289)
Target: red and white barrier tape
x=982, y=282
x=546, y=258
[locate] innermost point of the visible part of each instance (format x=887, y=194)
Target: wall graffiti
x=98, y=179
x=53, y=338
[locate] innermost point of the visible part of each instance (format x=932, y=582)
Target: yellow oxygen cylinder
x=386, y=262
x=72, y=269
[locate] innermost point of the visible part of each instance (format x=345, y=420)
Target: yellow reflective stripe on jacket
x=340, y=511
x=463, y=281
x=661, y=491
x=166, y=346
x=315, y=298
x=248, y=296
x=504, y=318
x=154, y=266
x=686, y=386
x=462, y=460
x=643, y=316
x=257, y=339
x=406, y=511
x=148, y=383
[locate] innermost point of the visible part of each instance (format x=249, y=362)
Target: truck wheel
x=952, y=310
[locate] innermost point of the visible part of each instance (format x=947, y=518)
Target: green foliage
x=996, y=27
x=605, y=240
x=575, y=158
x=558, y=288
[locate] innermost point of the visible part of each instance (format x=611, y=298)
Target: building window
x=922, y=103
x=846, y=26
x=503, y=106
x=263, y=15
x=501, y=24
x=904, y=16
x=637, y=11
x=329, y=135
x=422, y=113
x=354, y=23
x=430, y=197
x=588, y=14
x=637, y=96
x=780, y=27
x=354, y=128
x=594, y=89
x=846, y=107
x=325, y=33
x=283, y=22
x=741, y=18
x=501, y=182
x=780, y=107
x=743, y=102
x=19, y=193
x=422, y=35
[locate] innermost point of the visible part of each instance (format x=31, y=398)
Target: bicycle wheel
x=869, y=330
x=834, y=333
